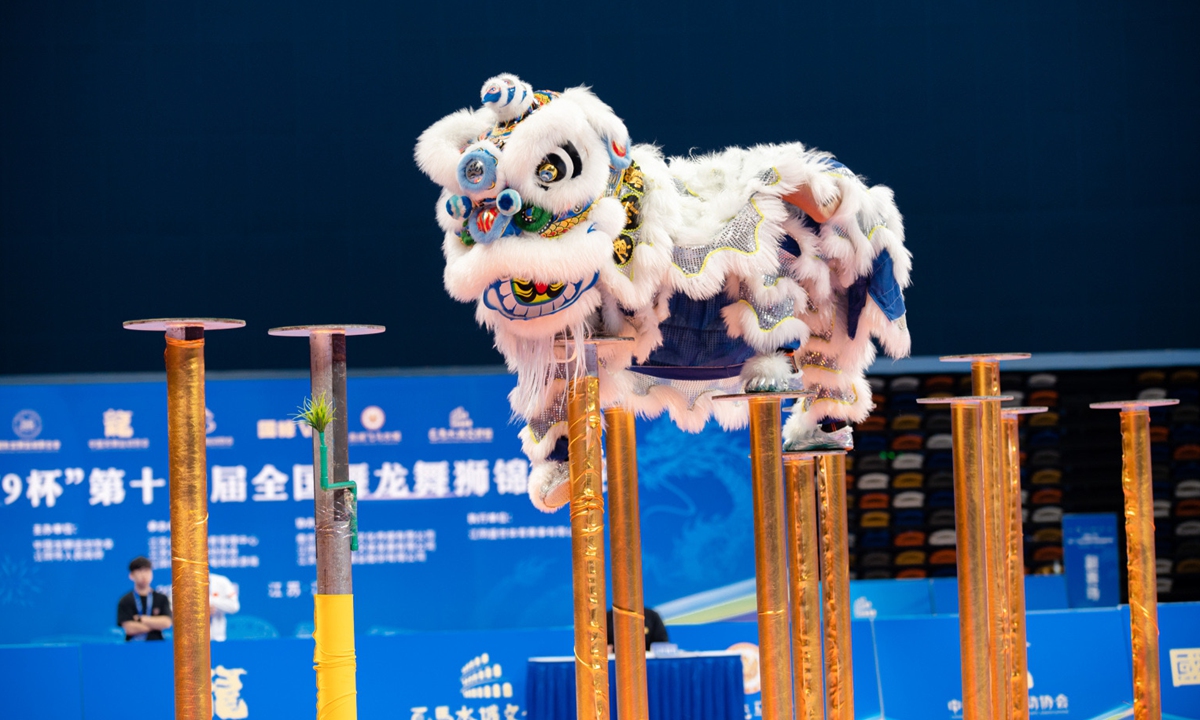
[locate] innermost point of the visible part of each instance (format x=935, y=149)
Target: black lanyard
x=149, y=604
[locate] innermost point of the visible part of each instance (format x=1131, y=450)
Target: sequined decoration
x=541, y=424
x=814, y=359
x=740, y=235
x=693, y=390
x=828, y=394
x=769, y=316
x=770, y=176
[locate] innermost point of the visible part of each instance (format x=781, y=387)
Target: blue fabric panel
x=679, y=688
x=559, y=453
x=884, y=289
x=695, y=336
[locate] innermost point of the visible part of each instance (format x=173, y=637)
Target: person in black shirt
x=142, y=612
x=656, y=630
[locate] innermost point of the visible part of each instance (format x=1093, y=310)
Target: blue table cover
x=680, y=687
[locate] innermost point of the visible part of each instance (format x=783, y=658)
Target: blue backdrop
x=448, y=538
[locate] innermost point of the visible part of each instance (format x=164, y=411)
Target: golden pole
x=186, y=455
x=985, y=382
x=803, y=573
x=970, y=516
x=629, y=621
x=1139, y=539
x=835, y=579
x=1018, y=682
x=587, y=541
x=770, y=562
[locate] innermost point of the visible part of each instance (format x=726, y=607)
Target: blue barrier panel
x=904, y=669
x=1090, y=560
x=890, y=598
x=432, y=675
x=1077, y=662
x=1179, y=658
x=40, y=682
x=1042, y=592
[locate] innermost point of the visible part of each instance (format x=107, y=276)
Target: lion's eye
x=551, y=168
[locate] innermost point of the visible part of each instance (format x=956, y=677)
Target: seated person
x=656, y=630
x=142, y=612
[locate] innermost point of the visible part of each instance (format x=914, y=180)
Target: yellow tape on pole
x=333, y=657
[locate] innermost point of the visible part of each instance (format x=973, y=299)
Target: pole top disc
x=310, y=330
x=782, y=395
x=164, y=324
x=810, y=454
x=985, y=357
x=1014, y=411
x=597, y=340
x=1133, y=404
x=964, y=400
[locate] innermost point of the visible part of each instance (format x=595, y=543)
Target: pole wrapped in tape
x=333, y=657
x=587, y=544
x=184, y=358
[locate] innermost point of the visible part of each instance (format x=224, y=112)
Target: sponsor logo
x=751, y=679
x=210, y=426
x=372, y=419
x=27, y=425
x=272, y=429
x=118, y=433
x=462, y=430
x=483, y=678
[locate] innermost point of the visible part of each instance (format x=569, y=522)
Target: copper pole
x=985, y=382
x=970, y=524
x=770, y=561
x=629, y=621
x=803, y=574
x=835, y=579
x=188, y=486
x=587, y=540
x=1135, y=481
x=1139, y=541
x=189, y=521
x=1139, y=538
x=1018, y=682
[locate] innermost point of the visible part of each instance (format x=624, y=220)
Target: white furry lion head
x=540, y=205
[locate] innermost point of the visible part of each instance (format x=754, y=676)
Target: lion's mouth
x=519, y=299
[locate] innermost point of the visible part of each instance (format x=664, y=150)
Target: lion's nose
x=477, y=172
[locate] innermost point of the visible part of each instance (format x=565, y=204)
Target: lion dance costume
x=751, y=269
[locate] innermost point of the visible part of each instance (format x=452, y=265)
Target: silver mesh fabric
x=769, y=316
x=770, y=176
x=813, y=358
x=739, y=234
x=823, y=392
x=539, y=425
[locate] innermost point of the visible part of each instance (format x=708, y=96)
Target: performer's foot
x=549, y=485
x=818, y=439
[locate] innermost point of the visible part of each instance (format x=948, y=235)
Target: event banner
x=447, y=537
